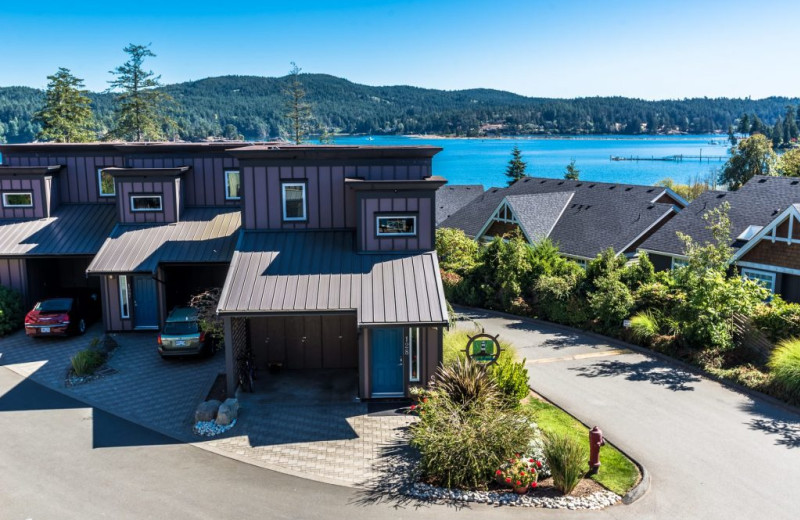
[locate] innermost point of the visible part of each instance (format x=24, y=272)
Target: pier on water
x=673, y=158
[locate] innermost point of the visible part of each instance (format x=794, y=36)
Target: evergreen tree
x=572, y=172
x=756, y=126
x=516, y=166
x=140, y=107
x=67, y=113
x=790, y=130
x=752, y=156
x=777, y=133
x=744, y=124
x=298, y=111
x=731, y=136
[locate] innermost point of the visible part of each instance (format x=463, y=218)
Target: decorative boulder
x=207, y=411
x=228, y=412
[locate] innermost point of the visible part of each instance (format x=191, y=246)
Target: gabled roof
x=538, y=213
x=757, y=203
x=599, y=215
x=452, y=198
x=319, y=271
x=204, y=235
x=792, y=213
x=73, y=229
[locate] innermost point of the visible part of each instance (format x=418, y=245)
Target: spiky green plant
x=644, y=325
x=465, y=382
x=567, y=459
x=785, y=365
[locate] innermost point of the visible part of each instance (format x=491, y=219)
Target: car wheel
x=81, y=326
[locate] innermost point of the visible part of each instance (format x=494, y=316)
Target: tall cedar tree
x=752, y=156
x=298, y=111
x=572, y=173
x=516, y=166
x=141, y=109
x=67, y=113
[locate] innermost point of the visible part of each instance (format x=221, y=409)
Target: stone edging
x=428, y=493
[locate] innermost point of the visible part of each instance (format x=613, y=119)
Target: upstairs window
x=146, y=203
x=18, y=200
x=396, y=225
x=233, y=185
x=105, y=182
x=294, y=201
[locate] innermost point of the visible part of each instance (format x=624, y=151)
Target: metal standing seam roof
x=73, y=229
x=203, y=235
x=319, y=271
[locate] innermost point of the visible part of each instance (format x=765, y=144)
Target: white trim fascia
x=770, y=268
x=491, y=219
x=662, y=253
x=788, y=212
x=650, y=227
x=575, y=257
x=673, y=195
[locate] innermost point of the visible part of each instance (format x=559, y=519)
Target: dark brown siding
x=421, y=207
x=13, y=274
x=779, y=254
x=165, y=188
x=111, y=311
x=498, y=229
x=33, y=186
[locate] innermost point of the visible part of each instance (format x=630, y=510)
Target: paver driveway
x=711, y=452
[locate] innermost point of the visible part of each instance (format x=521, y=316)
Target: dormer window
x=233, y=185
x=17, y=200
x=146, y=203
x=294, y=201
x=396, y=225
x=105, y=183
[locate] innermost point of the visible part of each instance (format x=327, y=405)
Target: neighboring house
x=451, y=198
x=582, y=217
x=324, y=253
x=764, y=232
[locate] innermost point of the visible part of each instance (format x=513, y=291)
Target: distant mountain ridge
x=252, y=106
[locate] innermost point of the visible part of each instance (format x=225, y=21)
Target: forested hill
x=253, y=107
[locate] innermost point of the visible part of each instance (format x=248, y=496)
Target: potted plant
x=519, y=473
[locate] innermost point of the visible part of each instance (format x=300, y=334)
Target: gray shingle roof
x=319, y=271
x=539, y=213
x=205, y=235
x=451, y=198
x=73, y=229
x=757, y=203
x=599, y=215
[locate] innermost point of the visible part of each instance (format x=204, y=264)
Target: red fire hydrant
x=596, y=440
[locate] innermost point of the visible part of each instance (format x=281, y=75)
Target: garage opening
x=183, y=281
x=52, y=277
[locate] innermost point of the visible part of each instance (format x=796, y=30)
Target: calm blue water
x=483, y=161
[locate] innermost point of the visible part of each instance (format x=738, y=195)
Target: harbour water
x=483, y=161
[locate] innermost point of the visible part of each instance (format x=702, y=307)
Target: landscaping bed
x=91, y=363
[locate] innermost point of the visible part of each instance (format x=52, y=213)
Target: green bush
x=639, y=273
x=611, y=302
x=511, y=378
x=606, y=264
x=778, y=320
x=86, y=361
x=644, y=326
x=11, y=312
x=558, y=300
x=785, y=366
x=457, y=252
x=465, y=382
x=567, y=459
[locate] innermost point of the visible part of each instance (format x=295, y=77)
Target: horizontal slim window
x=146, y=203
x=396, y=225
x=18, y=200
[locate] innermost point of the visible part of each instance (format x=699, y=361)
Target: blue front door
x=386, y=362
x=145, y=303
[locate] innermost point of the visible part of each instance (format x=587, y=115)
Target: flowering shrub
x=519, y=471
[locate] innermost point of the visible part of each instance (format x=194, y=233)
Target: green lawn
x=617, y=472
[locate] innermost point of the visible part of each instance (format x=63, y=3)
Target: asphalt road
x=712, y=452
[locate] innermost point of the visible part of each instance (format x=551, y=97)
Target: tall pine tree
x=516, y=166
x=67, y=113
x=298, y=111
x=141, y=112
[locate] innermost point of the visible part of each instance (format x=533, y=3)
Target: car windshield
x=180, y=327
x=54, y=305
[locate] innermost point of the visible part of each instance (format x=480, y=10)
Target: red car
x=62, y=316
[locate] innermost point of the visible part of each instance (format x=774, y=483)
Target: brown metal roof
x=74, y=229
x=319, y=271
x=204, y=235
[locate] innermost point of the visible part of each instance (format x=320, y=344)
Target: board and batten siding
x=373, y=206
x=78, y=179
x=14, y=274
x=165, y=188
x=329, y=204
x=109, y=290
x=33, y=186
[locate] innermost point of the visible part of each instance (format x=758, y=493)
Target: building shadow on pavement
x=783, y=426
x=648, y=371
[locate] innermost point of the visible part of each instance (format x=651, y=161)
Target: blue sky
x=648, y=49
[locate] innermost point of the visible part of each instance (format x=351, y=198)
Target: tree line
x=253, y=108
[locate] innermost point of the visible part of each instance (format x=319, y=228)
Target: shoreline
x=563, y=137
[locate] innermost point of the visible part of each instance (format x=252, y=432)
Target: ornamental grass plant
x=785, y=366
x=86, y=361
x=567, y=460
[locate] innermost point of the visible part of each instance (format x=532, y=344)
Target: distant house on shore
x=582, y=217
x=764, y=236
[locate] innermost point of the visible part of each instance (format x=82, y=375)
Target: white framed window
x=396, y=225
x=677, y=263
x=763, y=278
x=105, y=183
x=18, y=199
x=294, y=201
x=146, y=203
x=124, y=299
x=233, y=185
x=412, y=348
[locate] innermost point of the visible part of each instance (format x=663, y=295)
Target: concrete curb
x=749, y=392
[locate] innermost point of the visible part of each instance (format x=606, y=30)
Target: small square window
x=294, y=201
x=396, y=225
x=146, y=203
x=105, y=183
x=18, y=200
x=233, y=185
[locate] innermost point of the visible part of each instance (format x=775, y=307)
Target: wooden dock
x=673, y=158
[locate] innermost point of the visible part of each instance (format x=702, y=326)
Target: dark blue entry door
x=145, y=303
x=386, y=362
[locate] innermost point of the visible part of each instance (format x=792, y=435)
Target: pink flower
x=538, y=464
x=413, y=407
x=498, y=472
x=519, y=482
x=534, y=484
x=508, y=480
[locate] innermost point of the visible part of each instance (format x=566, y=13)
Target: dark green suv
x=182, y=336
